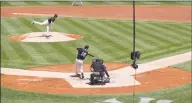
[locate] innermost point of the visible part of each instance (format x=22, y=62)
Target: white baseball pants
x=46, y=22
x=78, y=65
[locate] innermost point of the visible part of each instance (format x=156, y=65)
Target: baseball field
x=36, y=69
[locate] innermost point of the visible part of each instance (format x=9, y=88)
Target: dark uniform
x=50, y=20
x=99, y=71
x=47, y=23
x=98, y=66
x=82, y=53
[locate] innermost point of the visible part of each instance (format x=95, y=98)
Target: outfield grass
x=35, y=3
x=154, y=39
x=180, y=94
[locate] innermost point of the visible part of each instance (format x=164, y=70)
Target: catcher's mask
x=93, y=60
x=99, y=60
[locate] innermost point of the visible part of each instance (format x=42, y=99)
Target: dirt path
x=161, y=13
x=68, y=68
x=150, y=76
x=154, y=80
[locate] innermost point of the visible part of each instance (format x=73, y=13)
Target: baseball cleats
x=76, y=75
x=82, y=76
x=32, y=22
x=48, y=36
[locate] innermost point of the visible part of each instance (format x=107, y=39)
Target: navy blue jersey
x=82, y=53
x=50, y=20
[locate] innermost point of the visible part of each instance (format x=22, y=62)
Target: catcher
x=99, y=72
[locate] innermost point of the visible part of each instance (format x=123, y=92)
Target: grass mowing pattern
x=180, y=94
x=33, y=3
x=108, y=39
x=186, y=66
x=160, y=40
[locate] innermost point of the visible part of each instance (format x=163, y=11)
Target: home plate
x=116, y=80
x=45, y=37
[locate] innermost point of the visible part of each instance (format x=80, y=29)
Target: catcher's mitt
x=55, y=15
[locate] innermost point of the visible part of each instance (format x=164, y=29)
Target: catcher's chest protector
x=97, y=67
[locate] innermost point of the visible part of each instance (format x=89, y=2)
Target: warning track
x=159, y=13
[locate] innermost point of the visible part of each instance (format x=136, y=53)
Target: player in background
x=75, y=1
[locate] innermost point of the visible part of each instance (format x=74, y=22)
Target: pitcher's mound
x=45, y=37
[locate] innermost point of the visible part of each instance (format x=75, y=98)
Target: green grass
x=35, y=3
x=108, y=39
x=154, y=39
x=180, y=94
x=186, y=66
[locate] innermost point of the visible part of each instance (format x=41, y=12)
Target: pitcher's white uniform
x=47, y=22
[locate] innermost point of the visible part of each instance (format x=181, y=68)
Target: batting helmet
x=86, y=47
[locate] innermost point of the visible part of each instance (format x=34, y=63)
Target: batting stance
x=75, y=1
x=47, y=22
x=82, y=53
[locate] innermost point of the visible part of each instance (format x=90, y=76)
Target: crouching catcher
x=99, y=72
